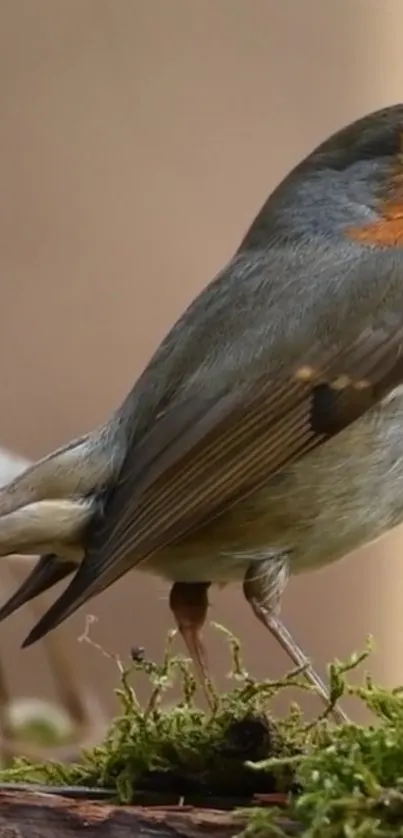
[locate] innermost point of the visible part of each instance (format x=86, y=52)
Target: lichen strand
x=342, y=782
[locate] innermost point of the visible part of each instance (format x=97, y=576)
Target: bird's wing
x=205, y=454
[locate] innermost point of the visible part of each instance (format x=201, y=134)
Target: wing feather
x=231, y=447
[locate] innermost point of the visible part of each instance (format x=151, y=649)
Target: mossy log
x=237, y=770
x=26, y=814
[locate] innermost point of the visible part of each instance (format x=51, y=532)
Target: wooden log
x=27, y=814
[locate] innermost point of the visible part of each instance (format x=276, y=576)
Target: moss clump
x=349, y=778
x=341, y=782
x=181, y=750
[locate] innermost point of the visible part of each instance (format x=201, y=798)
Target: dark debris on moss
x=341, y=781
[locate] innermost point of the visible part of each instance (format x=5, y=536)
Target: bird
x=264, y=438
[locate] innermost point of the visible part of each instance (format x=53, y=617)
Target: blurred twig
x=82, y=706
x=84, y=711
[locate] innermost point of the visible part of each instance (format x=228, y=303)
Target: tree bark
x=27, y=814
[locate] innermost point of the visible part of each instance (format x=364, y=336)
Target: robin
x=265, y=436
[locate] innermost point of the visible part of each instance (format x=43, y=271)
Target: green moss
x=179, y=750
x=342, y=782
x=350, y=778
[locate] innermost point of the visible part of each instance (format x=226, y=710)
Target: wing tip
x=49, y=621
x=47, y=572
x=68, y=602
x=30, y=639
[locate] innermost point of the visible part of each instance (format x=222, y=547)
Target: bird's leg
x=189, y=603
x=263, y=585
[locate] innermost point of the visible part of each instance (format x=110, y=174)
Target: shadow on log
x=26, y=814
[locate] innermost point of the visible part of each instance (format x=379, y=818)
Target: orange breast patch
x=387, y=230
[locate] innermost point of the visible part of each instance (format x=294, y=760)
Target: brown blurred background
x=137, y=142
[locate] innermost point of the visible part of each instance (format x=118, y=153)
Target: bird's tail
x=52, y=527
x=47, y=526
x=48, y=570
x=76, y=469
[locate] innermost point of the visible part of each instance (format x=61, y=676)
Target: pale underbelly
x=222, y=567
x=218, y=567
x=347, y=493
